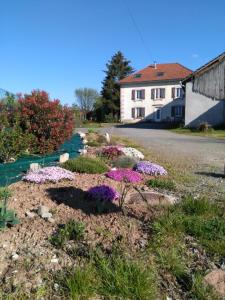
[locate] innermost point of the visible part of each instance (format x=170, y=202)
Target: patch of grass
x=73, y=230
x=198, y=218
x=86, y=165
x=5, y=191
x=78, y=283
x=200, y=290
x=216, y=133
x=124, y=278
x=93, y=144
x=165, y=184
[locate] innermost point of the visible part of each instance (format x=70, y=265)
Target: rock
x=216, y=279
x=152, y=198
x=43, y=212
x=82, y=151
x=34, y=167
x=12, y=159
x=107, y=137
x=82, y=134
x=85, y=141
x=54, y=261
x=63, y=158
x=51, y=220
x=30, y=214
x=15, y=256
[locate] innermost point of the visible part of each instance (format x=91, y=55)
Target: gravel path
x=207, y=151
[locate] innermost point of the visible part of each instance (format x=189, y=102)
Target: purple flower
x=149, y=168
x=124, y=175
x=103, y=193
x=52, y=174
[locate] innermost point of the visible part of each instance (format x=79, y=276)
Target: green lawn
x=216, y=133
x=97, y=125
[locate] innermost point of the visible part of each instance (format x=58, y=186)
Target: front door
x=158, y=112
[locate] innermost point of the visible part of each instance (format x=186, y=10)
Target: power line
x=138, y=30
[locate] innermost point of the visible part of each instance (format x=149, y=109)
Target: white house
x=154, y=93
x=205, y=94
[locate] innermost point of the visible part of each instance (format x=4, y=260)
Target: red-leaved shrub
x=49, y=121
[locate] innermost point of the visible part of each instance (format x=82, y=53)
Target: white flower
x=132, y=152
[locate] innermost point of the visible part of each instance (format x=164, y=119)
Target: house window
x=158, y=93
x=138, y=112
x=138, y=94
x=176, y=93
x=177, y=111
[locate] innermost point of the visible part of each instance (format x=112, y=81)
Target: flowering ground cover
x=111, y=152
x=149, y=168
x=126, y=175
x=48, y=174
x=103, y=193
x=129, y=151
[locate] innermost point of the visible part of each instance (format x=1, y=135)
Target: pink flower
x=127, y=175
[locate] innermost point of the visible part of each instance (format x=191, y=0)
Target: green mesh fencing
x=13, y=172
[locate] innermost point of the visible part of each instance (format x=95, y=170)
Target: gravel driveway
x=206, y=151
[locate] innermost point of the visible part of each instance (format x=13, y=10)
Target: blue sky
x=61, y=45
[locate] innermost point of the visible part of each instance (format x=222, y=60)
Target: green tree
x=116, y=69
x=86, y=98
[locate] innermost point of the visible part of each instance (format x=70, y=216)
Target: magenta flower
x=149, y=168
x=103, y=193
x=126, y=175
x=48, y=174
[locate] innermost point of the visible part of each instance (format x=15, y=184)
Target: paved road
x=209, y=151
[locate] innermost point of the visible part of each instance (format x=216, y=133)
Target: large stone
x=216, y=279
x=34, y=167
x=43, y=212
x=82, y=135
x=107, y=137
x=152, y=198
x=63, y=158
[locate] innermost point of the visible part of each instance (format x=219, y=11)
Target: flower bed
x=111, y=152
x=132, y=152
x=103, y=193
x=48, y=174
x=150, y=168
x=126, y=175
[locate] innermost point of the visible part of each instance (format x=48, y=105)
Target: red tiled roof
x=162, y=72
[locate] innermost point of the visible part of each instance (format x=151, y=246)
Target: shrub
x=86, y=165
x=149, y=168
x=161, y=184
x=13, y=143
x=132, y=152
x=103, y=193
x=111, y=152
x=204, y=127
x=126, y=175
x=48, y=174
x=124, y=162
x=73, y=230
x=50, y=122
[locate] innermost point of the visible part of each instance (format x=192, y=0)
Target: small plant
x=48, y=174
x=93, y=144
x=103, y=193
x=204, y=127
x=125, y=162
x=86, y=165
x=7, y=217
x=126, y=175
x=149, y=168
x=111, y=152
x=92, y=130
x=161, y=184
x=73, y=230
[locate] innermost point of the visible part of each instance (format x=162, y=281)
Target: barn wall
x=200, y=108
x=211, y=83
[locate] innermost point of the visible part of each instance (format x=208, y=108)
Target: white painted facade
x=200, y=109
x=157, y=110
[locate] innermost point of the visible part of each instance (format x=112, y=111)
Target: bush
x=13, y=143
x=86, y=165
x=111, y=152
x=73, y=230
x=161, y=184
x=50, y=122
x=125, y=162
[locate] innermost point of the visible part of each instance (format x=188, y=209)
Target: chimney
x=155, y=65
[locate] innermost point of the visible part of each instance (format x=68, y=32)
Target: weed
x=73, y=230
